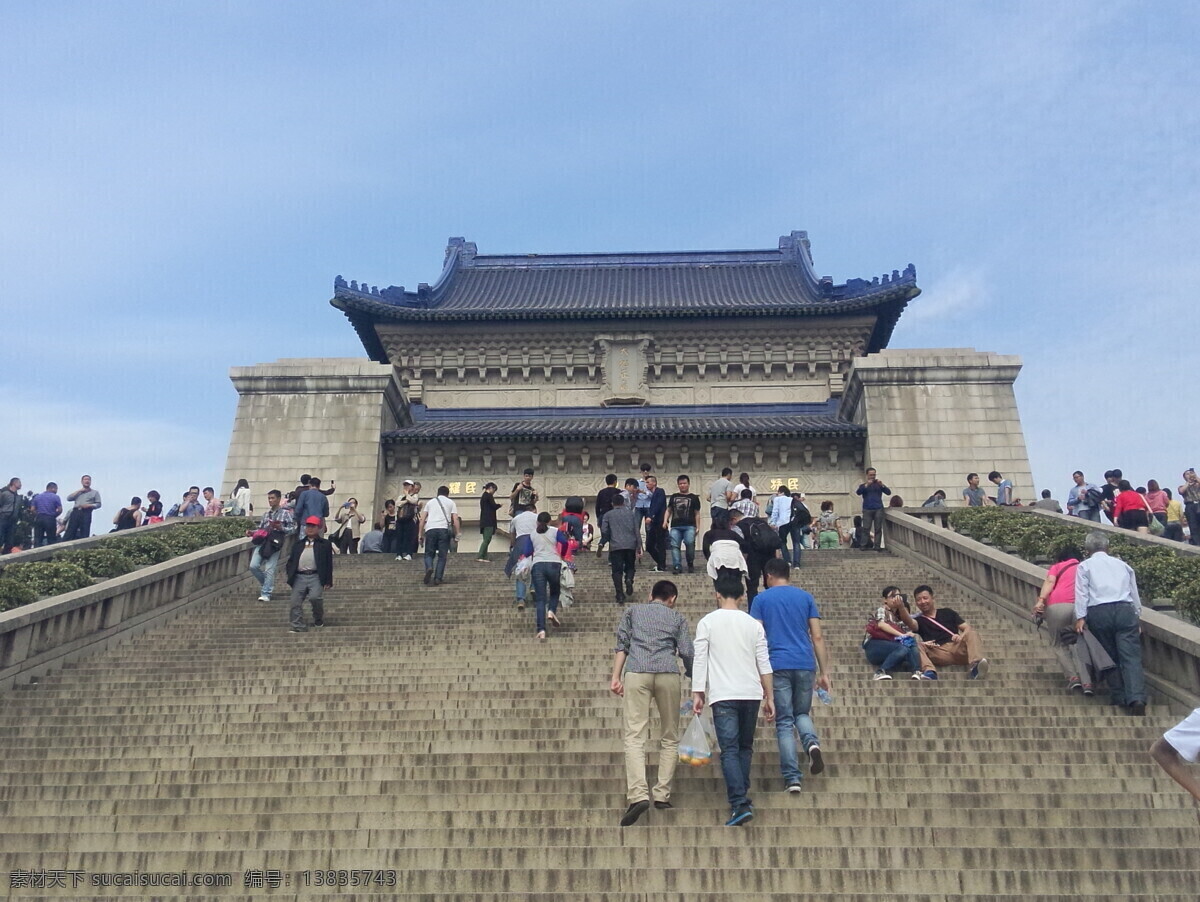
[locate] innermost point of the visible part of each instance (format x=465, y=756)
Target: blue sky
x=183, y=181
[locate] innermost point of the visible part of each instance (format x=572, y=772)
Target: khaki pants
x=642, y=689
x=966, y=651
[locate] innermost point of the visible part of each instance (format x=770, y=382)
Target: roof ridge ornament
x=794, y=245
x=465, y=250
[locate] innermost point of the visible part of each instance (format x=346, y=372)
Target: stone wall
x=321, y=416
x=822, y=468
x=935, y=415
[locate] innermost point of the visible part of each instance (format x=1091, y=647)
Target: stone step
x=423, y=730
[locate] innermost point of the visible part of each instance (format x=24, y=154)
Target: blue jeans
x=1115, y=626
x=888, y=655
x=547, y=577
x=734, y=721
x=519, y=584
x=264, y=571
x=683, y=536
x=793, y=701
x=792, y=531
x=437, y=547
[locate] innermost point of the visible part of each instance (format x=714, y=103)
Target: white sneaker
x=408, y=557
x=264, y=598
x=881, y=675
x=917, y=675
x=400, y=557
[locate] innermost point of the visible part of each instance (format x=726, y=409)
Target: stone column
x=321, y=416
x=935, y=415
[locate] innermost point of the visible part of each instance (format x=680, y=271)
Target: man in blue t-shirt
x=793, y=626
x=1004, y=489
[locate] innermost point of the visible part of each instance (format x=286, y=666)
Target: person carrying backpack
x=799, y=527
x=762, y=543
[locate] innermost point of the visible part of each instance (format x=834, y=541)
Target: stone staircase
x=424, y=732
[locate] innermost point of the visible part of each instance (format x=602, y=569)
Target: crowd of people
x=32, y=520
x=1150, y=508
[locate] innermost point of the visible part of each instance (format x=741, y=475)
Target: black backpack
x=800, y=514
x=760, y=537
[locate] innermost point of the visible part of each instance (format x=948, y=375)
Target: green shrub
x=13, y=594
x=1187, y=600
x=1161, y=571
x=113, y=556
x=184, y=540
x=102, y=562
x=47, y=578
x=142, y=549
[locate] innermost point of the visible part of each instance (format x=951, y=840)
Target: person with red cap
x=309, y=573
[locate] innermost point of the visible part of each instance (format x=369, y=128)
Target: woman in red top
x=1056, y=604
x=1130, y=509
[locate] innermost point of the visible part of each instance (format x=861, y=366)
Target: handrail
x=1170, y=647
x=940, y=515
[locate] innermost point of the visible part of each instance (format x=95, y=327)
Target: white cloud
x=960, y=291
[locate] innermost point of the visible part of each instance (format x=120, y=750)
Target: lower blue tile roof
x=696, y=422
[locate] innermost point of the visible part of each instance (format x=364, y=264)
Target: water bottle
x=824, y=695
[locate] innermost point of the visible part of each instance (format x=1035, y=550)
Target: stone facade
x=823, y=469
x=677, y=361
x=322, y=416
x=933, y=416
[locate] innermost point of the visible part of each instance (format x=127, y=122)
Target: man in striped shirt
x=645, y=672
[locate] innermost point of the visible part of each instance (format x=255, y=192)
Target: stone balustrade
x=1170, y=647
x=49, y=633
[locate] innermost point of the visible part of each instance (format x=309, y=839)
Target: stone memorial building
x=583, y=364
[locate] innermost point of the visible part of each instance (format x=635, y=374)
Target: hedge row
x=117, y=555
x=1161, y=572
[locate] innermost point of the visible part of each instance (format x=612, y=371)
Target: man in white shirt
x=732, y=672
x=1108, y=604
x=1179, y=744
x=438, y=527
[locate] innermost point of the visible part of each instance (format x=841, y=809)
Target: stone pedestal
x=935, y=415
x=315, y=415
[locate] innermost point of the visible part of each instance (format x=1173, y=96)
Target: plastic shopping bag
x=694, y=748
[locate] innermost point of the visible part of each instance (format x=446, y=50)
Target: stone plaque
x=624, y=369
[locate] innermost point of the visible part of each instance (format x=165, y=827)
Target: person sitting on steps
x=891, y=640
x=947, y=638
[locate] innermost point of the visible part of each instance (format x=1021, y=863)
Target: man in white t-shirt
x=732, y=672
x=521, y=526
x=439, y=526
x=1180, y=743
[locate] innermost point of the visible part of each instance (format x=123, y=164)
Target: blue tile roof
x=626, y=286
x=720, y=421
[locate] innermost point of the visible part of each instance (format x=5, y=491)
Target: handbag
x=1156, y=528
x=875, y=632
